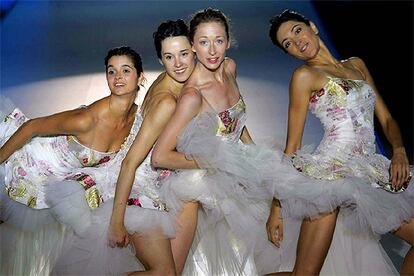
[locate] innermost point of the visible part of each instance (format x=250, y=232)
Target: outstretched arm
x=399, y=170
x=73, y=122
x=165, y=154
x=152, y=126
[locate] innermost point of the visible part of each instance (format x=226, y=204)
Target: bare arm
x=73, y=122
x=151, y=128
x=165, y=154
x=399, y=170
x=300, y=91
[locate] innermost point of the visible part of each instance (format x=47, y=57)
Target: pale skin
x=159, y=255
x=216, y=81
x=215, y=78
x=103, y=125
x=301, y=41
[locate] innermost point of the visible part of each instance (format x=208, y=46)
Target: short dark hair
x=208, y=15
x=167, y=29
x=278, y=20
x=126, y=51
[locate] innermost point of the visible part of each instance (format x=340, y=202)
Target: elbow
x=156, y=159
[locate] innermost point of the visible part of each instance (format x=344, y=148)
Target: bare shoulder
x=230, y=65
x=359, y=64
x=304, y=74
x=306, y=80
x=190, y=96
x=84, y=118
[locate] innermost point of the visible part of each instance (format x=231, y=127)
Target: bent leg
x=183, y=240
x=314, y=241
x=154, y=252
x=406, y=232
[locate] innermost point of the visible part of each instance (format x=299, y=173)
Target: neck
x=217, y=74
x=324, y=57
x=120, y=107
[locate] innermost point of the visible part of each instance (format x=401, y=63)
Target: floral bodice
x=86, y=156
x=231, y=121
x=46, y=161
x=345, y=108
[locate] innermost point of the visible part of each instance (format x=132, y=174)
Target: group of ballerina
x=177, y=186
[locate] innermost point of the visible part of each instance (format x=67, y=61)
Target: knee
x=165, y=271
x=308, y=269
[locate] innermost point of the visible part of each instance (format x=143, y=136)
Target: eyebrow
x=291, y=30
x=109, y=66
x=168, y=53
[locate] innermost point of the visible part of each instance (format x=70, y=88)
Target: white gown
x=57, y=202
x=233, y=192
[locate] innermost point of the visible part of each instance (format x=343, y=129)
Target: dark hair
x=167, y=29
x=206, y=16
x=278, y=20
x=126, y=51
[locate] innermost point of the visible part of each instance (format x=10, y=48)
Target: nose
x=212, y=49
x=118, y=75
x=177, y=63
x=298, y=42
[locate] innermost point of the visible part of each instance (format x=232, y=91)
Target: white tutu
x=236, y=204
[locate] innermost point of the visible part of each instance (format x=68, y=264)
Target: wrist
x=399, y=149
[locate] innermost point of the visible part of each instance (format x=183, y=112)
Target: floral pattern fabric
x=345, y=108
x=48, y=161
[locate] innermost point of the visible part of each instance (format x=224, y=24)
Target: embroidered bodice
x=345, y=108
x=231, y=121
x=86, y=156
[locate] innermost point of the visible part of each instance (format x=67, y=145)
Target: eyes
x=126, y=70
x=169, y=57
x=218, y=42
x=296, y=32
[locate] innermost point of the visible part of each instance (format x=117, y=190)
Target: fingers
x=126, y=241
x=271, y=234
x=280, y=232
x=118, y=241
x=399, y=175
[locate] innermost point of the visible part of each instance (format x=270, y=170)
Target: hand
x=118, y=236
x=274, y=227
x=399, y=168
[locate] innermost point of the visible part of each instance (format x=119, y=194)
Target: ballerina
x=80, y=146
x=342, y=94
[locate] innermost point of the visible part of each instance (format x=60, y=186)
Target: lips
x=119, y=84
x=213, y=60
x=304, y=47
x=180, y=71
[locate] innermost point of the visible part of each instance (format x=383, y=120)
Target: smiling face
x=299, y=39
x=122, y=76
x=177, y=57
x=210, y=44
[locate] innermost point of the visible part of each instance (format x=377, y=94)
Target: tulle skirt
x=235, y=190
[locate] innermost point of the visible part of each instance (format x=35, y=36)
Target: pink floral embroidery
x=225, y=118
x=104, y=160
x=164, y=174
x=21, y=171
x=134, y=202
x=85, y=160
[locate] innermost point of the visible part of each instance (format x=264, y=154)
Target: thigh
x=314, y=241
x=181, y=244
x=153, y=250
x=406, y=232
